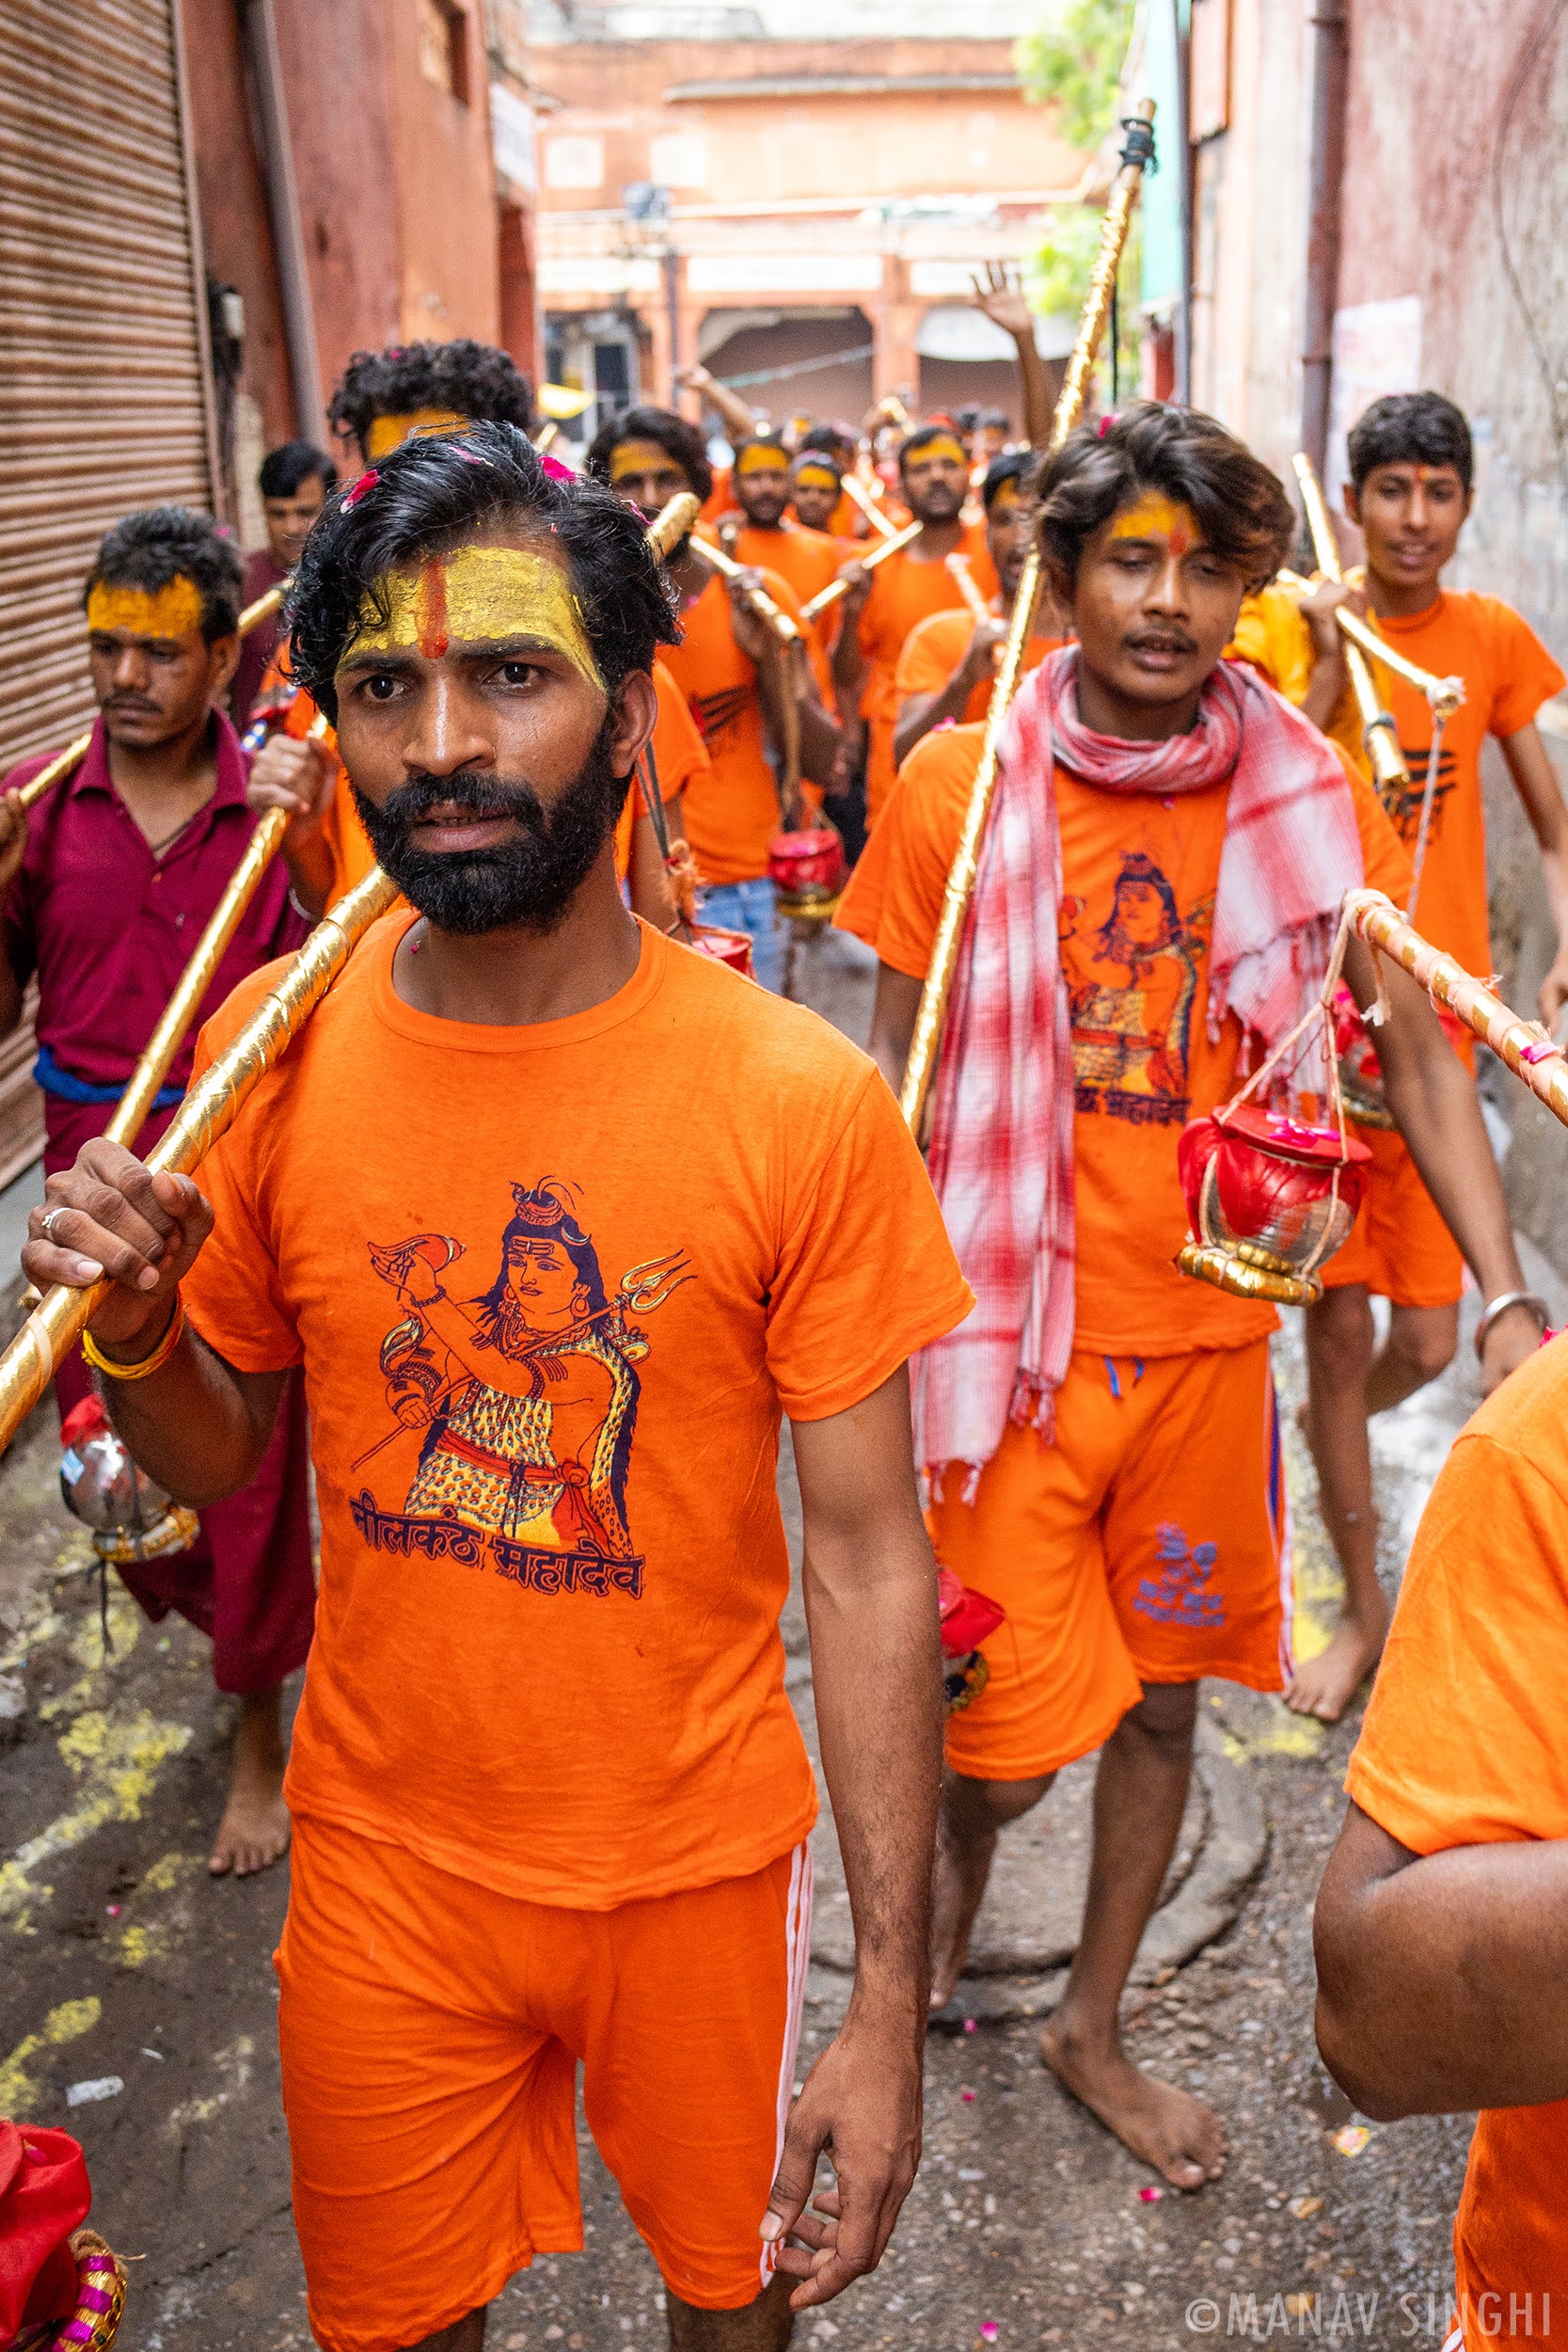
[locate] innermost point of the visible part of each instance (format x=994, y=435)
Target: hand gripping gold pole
x=760, y=601
x=1444, y=693
x=1138, y=152
x=1378, y=733
x=1524, y=1045
x=74, y=753
x=836, y=588
x=207, y=1112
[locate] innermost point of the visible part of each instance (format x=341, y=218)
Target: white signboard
x=512, y=137
x=1377, y=349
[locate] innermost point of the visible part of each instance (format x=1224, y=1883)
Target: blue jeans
x=751, y=907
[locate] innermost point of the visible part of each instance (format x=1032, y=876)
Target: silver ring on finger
x=46, y=1228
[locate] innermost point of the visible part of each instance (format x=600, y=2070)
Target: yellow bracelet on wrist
x=144, y=1365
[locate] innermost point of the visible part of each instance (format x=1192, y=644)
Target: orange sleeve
x=865, y=895
x=931, y=652
x=1385, y=858
x=1527, y=675
x=1272, y=635
x=925, y=820
x=679, y=751
x=1463, y=1742
x=866, y=1274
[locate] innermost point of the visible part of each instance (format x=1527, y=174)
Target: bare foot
x=254, y=1829
x=1180, y=2135
x=1324, y=1686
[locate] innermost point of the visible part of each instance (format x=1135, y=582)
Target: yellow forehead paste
x=641, y=457
x=389, y=433
x=816, y=478
x=930, y=452
x=761, y=461
x=1155, y=516
x=171, y=612
x=478, y=596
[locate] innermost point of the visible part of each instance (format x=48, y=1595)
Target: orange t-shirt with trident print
x=1139, y=876
x=553, y=1288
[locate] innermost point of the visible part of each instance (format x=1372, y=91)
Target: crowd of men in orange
x=707, y=1200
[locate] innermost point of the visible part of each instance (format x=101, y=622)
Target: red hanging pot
x=1270, y=1197
x=967, y=1619
x=807, y=869
x=731, y=948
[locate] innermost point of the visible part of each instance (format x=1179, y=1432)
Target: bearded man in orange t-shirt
x=559, y=1219
x=767, y=537
x=1410, y=490
x=883, y=605
x=1101, y=1437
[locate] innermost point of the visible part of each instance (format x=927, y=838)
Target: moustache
x=411, y=803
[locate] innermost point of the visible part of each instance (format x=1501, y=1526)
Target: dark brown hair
x=1190, y=458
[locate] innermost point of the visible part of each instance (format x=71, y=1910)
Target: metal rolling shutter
x=104, y=401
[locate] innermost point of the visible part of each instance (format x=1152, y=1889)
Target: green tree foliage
x=1075, y=63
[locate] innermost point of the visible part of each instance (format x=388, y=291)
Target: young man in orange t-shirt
x=1101, y=1436
x=739, y=689
x=1439, y=1921
x=883, y=605
x=948, y=666
x=558, y=1218
x=1410, y=491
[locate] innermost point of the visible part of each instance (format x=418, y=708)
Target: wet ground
x=137, y=2008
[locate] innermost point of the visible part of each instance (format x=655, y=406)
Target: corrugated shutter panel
x=102, y=401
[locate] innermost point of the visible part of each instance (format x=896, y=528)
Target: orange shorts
x=430, y=2032
x=1146, y=1543
x=1399, y=1248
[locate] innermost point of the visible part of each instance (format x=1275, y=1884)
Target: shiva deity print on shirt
x=527, y=1391
x=1134, y=971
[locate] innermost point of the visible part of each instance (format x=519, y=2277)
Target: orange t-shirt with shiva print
x=679, y=755
x=1138, y=882
x=1465, y=1744
x=903, y=593
x=935, y=647
x=553, y=1288
x=733, y=812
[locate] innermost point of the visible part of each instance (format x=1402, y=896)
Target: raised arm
x=195, y=1424
x=1441, y=1978
x=1438, y=1110
x=871, y=1605
x=999, y=296
x=738, y=417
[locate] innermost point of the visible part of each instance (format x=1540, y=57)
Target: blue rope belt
x=67, y=1086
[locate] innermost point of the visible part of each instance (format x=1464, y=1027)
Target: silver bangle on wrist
x=1499, y=1306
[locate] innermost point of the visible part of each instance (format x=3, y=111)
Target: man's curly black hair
x=1411, y=429
x=472, y=379
x=440, y=491
x=668, y=432
x=162, y=544
x=1182, y=454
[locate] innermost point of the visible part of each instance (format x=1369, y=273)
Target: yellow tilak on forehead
x=762, y=460
x=817, y=478
x=944, y=446
x=631, y=457
x=480, y=595
x=1156, y=517
x=389, y=433
x=171, y=612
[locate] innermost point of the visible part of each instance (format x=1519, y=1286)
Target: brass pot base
x=1229, y=1272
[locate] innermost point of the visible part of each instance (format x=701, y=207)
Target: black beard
x=525, y=883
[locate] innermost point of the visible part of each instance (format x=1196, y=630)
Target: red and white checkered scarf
x=1000, y=1156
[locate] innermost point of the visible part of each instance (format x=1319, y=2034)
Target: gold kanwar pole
x=1138, y=152
x=760, y=601
x=207, y=1112
x=672, y=522
x=1524, y=1045
x=860, y=496
x=956, y=565
x=74, y=753
x=836, y=588
x=1378, y=733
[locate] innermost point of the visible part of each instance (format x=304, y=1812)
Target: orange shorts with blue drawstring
x=1145, y=1542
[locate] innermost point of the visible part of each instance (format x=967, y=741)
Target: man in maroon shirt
x=107, y=884
x=294, y=481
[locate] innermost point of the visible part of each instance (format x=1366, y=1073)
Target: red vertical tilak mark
x=432, y=610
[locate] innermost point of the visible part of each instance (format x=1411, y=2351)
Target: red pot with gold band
x=1270, y=1197
x=807, y=869
x=968, y=1618
x=731, y=948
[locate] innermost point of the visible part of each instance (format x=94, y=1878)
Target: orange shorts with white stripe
x=1147, y=1542
x=430, y=2032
